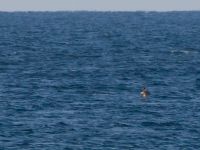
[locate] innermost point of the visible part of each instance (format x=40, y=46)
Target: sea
x=72, y=80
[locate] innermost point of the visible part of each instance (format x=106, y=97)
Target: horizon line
x=14, y=11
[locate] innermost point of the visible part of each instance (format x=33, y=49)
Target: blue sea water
x=72, y=80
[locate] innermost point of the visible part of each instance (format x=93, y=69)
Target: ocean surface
x=72, y=80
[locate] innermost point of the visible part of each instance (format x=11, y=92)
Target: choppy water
x=72, y=80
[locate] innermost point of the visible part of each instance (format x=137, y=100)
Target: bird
x=144, y=93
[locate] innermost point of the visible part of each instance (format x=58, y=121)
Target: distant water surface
x=71, y=80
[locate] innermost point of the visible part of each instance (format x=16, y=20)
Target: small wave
x=184, y=51
x=160, y=124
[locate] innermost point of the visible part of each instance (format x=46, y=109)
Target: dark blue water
x=72, y=80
